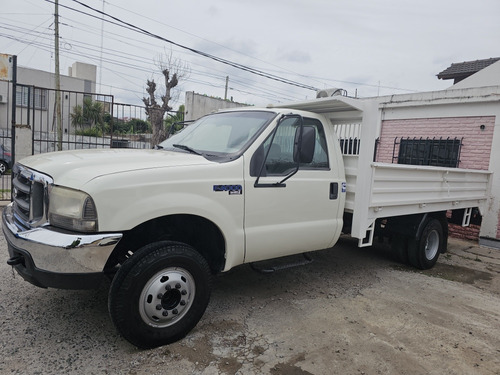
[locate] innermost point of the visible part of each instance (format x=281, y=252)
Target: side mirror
x=304, y=144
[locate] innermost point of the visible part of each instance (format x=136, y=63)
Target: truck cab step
x=281, y=264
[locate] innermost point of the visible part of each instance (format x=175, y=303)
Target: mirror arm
x=276, y=184
x=281, y=183
x=290, y=175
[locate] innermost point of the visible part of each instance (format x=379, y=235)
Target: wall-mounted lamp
x=482, y=127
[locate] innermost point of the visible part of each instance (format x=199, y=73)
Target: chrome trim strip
x=59, y=252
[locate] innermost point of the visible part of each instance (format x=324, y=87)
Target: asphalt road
x=351, y=311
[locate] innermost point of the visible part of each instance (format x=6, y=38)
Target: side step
x=307, y=259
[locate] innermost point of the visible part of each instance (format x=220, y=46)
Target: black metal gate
x=61, y=120
x=56, y=120
x=53, y=120
x=5, y=140
x=5, y=164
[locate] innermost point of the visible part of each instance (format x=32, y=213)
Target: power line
x=210, y=41
x=236, y=65
x=244, y=82
x=269, y=92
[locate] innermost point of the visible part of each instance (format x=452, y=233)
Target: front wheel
x=424, y=253
x=159, y=294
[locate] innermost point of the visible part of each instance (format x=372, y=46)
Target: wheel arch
x=413, y=225
x=439, y=216
x=198, y=232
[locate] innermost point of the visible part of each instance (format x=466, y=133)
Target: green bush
x=94, y=131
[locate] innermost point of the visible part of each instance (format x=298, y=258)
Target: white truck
x=235, y=187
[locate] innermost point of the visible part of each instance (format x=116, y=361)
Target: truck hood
x=75, y=168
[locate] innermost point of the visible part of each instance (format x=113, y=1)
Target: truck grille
x=30, y=194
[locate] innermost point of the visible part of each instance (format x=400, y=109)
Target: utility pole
x=227, y=82
x=58, y=78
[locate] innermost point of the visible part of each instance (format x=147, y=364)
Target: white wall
x=489, y=76
x=83, y=80
x=200, y=105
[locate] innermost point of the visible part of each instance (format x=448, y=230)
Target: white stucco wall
x=43, y=79
x=489, y=76
x=200, y=105
x=85, y=82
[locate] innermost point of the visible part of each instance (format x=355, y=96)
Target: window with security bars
x=436, y=151
x=31, y=97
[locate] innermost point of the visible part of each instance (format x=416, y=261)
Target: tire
x=159, y=294
x=3, y=167
x=424, y=253
x=399, y=247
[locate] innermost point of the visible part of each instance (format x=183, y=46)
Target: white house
x=35, y=102
x=39, y=85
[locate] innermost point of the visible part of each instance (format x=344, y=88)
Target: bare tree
x=172, y=70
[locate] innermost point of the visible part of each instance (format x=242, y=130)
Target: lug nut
x=175, y=312
x=160, y=296
x=184, y=292
x=158, y=307
x=167, y=287
x=183, y=303
x=177, y=286
x=164, y=313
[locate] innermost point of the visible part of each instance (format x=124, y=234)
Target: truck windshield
x=220, y=135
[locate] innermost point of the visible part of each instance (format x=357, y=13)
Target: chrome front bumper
x=62, y=259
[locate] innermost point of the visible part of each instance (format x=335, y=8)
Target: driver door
x=302, y=213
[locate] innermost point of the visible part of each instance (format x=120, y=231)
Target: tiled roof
x=466, y=68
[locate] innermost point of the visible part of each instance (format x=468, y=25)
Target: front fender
x=127, y=200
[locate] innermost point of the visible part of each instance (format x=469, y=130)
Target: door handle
x=334, y=190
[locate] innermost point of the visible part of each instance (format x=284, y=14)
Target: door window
x=279, y=161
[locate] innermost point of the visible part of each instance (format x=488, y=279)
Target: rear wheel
x=424, y=253
x=159, y=294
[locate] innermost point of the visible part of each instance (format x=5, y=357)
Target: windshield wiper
x=187, y=148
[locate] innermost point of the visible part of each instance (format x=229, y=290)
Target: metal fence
x=64, y=120
x=131, y=128
x=5, y=163
x=51, y=120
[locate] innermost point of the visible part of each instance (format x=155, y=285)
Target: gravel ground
x=351, y=311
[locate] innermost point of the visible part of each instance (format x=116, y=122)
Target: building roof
x=459, y=71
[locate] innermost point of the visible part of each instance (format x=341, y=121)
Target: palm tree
x=93, y=112
x=77, y=118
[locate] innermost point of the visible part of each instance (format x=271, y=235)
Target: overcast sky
x=367, y=47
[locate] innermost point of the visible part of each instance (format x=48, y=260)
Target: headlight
x=72, y=209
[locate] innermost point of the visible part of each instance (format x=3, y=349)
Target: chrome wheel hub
x=432, y=245
x=167, y=297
